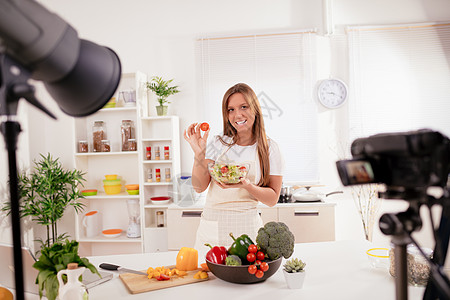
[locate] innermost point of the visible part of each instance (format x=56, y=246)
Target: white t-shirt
x=242, y=154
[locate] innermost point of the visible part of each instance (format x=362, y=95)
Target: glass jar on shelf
x=157, y=153
x=149, y=175
x=132, y=145
x=158, y=175
x=98, y=134
x=159, y=218
x=148, y=153
x=166, y=153
x=106, y=147
x=127, y=134
x=83, y=146
x=167, y=174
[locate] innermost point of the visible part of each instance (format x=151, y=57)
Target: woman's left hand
x=245, y=183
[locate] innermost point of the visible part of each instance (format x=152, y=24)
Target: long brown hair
x=258, y=130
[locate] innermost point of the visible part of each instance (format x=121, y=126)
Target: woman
x=231, y=208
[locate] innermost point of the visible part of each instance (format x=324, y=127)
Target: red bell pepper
x=217, y=254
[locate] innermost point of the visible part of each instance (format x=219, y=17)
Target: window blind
x=399, y=78
x=280, y=68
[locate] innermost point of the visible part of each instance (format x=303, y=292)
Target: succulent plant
x=294, y=265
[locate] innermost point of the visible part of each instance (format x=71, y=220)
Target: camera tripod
x=401, y=226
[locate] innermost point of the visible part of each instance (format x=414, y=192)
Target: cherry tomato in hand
x=251, y=257
x=260, y=255
x=252, y=248
x=204, y=126
x=264, y=266
x=252, y=269
x=259, y=274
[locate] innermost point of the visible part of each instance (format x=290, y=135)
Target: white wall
x=158, y=38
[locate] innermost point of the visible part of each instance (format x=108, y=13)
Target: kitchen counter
x=335, y=270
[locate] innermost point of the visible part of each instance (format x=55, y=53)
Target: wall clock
x=332, y=93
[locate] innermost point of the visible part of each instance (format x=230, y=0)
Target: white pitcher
x=91, y=222
x=73, y=289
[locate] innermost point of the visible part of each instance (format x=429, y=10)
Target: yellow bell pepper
x=187, y=259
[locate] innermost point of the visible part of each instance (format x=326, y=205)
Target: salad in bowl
x=228, y=173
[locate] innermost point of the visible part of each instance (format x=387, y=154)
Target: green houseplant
x=46, y=192
x=53, y=259
x=162, y=90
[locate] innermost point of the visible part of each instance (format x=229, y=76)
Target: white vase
x=294, y=280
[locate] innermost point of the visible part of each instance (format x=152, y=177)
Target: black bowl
x=240, y=274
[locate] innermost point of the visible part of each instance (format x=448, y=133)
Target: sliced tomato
x=224, y=169
x=162, y=277
x=243, y=168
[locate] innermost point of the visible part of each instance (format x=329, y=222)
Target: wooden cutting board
x=140, y=283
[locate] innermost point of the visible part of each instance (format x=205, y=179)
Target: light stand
x=13, y=87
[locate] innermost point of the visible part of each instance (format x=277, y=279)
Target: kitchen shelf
x=115, y=153
x=161, y=161
x=157, y=183
x=101, y=195
x=112, y=209
x=103, y=239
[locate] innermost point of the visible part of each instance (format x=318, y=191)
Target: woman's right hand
x=194, y=137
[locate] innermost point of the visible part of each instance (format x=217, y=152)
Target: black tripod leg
x=10, y=131
x=431, y=291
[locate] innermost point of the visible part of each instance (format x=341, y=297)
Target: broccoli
x=233, y=260
x=276, y=240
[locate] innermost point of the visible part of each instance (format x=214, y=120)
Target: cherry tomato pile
x=256, y=257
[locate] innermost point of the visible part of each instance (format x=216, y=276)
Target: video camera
x=407, y=163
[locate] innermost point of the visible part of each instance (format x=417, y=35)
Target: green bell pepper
x=240, y=246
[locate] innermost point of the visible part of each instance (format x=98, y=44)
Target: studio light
x=80, y=75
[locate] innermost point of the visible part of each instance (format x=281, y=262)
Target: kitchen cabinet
x=309, y=222
x=182, y=224
x=112, y=209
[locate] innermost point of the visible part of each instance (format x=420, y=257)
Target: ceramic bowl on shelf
x=111, y=182
x=111, y=177
x=240, y=274
x=92, y=192
x=112, y=189
x=111, y=233
x=160, y=200
x=133, y=192
x=228, y=173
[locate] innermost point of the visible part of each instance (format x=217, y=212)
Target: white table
x=335, y=270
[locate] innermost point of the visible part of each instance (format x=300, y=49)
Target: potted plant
x=45, y=194
x=163, y=90
x=53, y=259
x=294, y=273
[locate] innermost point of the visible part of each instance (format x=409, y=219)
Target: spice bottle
x=98, y=134
x=106, y=147
x=166, y=152
x=158, y=175
x=132, y=145
x=157, y=153
x=148, y=153
x=149, y=175
x=127, y=133
x=83, y=146
x=167, y=174
x=159, y=218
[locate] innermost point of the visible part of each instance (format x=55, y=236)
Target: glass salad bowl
x=228, y=173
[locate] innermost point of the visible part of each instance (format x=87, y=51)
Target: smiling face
x=240, y=116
